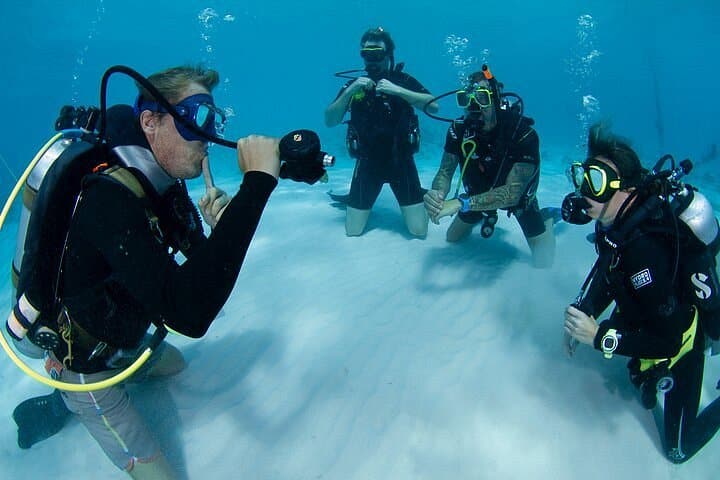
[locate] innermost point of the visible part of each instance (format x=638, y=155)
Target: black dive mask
x=573, y=209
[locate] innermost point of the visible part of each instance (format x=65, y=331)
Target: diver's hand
x=450, y=207
x=387, y=87
x=362, y=83
x=580, y=326
x=433, y=200
x=213, y=203
x=259, y=153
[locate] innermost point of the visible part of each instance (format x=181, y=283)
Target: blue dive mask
x=198, y=110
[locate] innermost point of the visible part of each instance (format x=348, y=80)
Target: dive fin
x=338, y=197
x=39, y=418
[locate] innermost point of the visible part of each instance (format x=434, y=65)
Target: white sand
x=383, y=357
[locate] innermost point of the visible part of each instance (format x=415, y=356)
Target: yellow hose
x=75, y=387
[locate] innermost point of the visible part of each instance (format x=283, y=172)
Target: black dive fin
x=39, y=418
x=337, y=197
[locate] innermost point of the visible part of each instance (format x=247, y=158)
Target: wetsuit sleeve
x=649, y=319
x=187, y=296
x=217, y=263
x=411, y=83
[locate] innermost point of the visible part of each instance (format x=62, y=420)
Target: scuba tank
x=69, y=141
x=72, y=123
x=695, y=210
x=34, y=237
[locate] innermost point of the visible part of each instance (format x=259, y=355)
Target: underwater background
x=380, y=356
x=650, y=66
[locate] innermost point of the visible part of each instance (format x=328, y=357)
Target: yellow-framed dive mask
x=595, y=180
x=482, y=96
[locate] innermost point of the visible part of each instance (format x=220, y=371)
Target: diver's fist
x=259, y=153
x=362, y=83
x=386, y=86
x=433, y=200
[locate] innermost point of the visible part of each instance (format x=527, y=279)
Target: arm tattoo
x=507, y=195
x=444, y=176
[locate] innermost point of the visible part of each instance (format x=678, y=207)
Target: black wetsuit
x=382, y=125
x=119, y=274
x=651, y=317
x=495, y=154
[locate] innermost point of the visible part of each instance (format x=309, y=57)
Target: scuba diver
x=656, y=241
x=383, y=133
x=498, y=153
x=117, y=273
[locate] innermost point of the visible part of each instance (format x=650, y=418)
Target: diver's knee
x=355, y=221
x=416, y=219
x=458, y=230
x=171, y=362
x=542, y=247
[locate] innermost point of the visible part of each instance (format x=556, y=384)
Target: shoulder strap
x=129, y=181
x=123, y=176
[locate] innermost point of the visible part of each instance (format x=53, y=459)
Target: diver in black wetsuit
x=119, y=274
x=498, y=154
x=653, y=322
x=383, y=134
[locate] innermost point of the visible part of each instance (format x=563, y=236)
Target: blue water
x=654, y=76
x=651, y=67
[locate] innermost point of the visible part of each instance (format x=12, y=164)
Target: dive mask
x=595, y=180
x=481, y=96
x=373, y=54
x=198, y=110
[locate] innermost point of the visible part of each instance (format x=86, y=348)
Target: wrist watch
x=464, y=202
x=609, y=342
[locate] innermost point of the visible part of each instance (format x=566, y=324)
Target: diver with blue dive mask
x=109, y=252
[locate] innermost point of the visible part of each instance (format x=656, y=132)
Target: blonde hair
x=173, y=82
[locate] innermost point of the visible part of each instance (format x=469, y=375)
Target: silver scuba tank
x=30, y=190
x=700, y=217
x=23, y=309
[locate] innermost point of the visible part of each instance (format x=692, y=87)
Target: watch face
x=609, y=343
